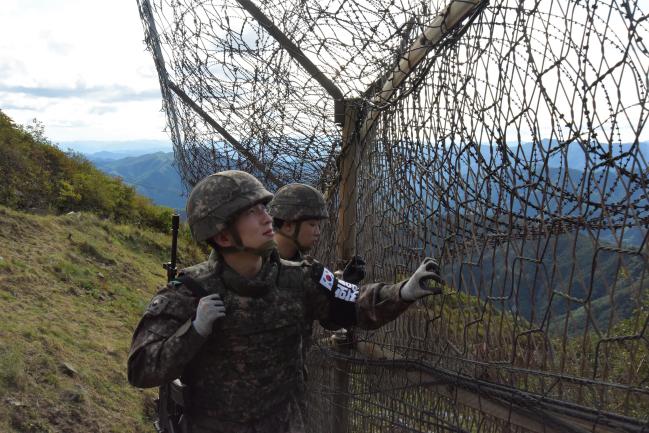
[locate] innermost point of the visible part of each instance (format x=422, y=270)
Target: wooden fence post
x=342, y=343
x=345, y=249
x=348, y=191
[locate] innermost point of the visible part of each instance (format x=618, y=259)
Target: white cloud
x=103, y=109
x=81, y=68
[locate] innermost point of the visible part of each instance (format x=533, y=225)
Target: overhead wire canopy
x=511, y=89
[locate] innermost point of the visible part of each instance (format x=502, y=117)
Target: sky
x=80, y=67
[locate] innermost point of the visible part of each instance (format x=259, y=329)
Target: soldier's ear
x=288, y=227
x=223, y=239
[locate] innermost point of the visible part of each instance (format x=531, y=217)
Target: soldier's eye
x=256, y=210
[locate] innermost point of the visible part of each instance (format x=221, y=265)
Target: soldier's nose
x=266, y=216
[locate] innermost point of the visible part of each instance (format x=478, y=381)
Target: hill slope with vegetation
x=38, y=176
x=72, y=288
x=80, y=257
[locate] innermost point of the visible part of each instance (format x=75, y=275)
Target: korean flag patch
x=327, y=279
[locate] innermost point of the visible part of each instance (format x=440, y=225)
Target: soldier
x=231, y=327
x=297, y=210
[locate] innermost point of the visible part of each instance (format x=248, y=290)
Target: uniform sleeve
x=164, y=341
x=378, y=304
x=337, y=303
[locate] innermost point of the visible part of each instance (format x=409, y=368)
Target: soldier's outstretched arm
x=369, y=306
x=164, y=340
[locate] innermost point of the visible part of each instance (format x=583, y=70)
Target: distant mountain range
x=122, y=148
x=575, y=156
x=153, y=175
x=106, y=155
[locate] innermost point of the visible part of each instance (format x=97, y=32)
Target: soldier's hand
x=210, y=308
x=354, y=271
x=424, y=282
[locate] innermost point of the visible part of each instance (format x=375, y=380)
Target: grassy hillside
x=38, y=176
x=72, y=288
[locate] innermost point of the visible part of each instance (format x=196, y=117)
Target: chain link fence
x=508, y=139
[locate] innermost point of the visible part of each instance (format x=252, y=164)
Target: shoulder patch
x=157, y=305
x=340, y=289
x=327, y=279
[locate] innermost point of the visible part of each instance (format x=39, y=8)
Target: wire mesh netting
x=512, y=146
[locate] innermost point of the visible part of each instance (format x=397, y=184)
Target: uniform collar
x=255, y=287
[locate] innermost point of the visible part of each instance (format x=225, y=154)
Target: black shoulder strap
x=197, y=289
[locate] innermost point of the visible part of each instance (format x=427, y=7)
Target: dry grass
x=72, y=289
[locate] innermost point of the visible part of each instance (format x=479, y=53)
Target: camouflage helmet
x=216, y=199
x=297, y=201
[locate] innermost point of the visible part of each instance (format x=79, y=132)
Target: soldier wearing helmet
x=297, y=210
x=231, y=328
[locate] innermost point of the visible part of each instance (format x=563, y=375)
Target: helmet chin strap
x=294, y=237
x=262, y=251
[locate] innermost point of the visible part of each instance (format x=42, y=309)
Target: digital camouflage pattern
x=247, y=375
x=220, y=196
x=298, y=201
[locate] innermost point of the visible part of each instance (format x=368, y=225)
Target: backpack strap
x=196, y=288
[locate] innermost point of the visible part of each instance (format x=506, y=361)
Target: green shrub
x=38, y=175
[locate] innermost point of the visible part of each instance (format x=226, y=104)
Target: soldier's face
x=255, y=226
x=309, y=233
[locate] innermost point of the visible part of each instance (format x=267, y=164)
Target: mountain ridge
x=153, y=175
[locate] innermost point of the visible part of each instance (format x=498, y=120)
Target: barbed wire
x=509, y=140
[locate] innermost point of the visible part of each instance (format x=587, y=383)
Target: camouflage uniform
x=246, y=376
x=297, y=202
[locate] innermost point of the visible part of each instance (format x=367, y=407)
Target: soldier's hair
x=278, y=223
